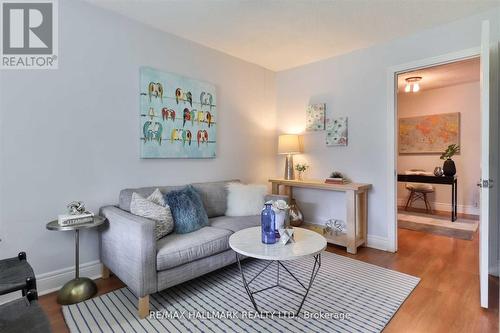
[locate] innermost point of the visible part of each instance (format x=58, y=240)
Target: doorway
x=439, y=149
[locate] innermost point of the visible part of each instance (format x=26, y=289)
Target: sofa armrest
x=275, y=197
x=128, y=249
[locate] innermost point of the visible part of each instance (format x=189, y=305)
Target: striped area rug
x=347, y=296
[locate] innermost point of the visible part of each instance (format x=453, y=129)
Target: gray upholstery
x=214, y=196
x=235, y=223
x=178, y=249
x=128, y=249
x=194, y=269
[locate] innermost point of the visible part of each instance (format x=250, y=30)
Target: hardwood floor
x=446, y=299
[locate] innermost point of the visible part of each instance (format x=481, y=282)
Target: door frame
x=391, y=176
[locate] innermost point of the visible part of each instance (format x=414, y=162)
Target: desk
x=356, y=208
x=443, y=180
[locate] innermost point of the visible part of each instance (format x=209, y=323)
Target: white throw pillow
x=154, y=208
x=245, y=200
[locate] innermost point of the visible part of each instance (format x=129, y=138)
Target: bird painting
x=186, y=136
x=186, y=116
x=206, y=99
x=183, y=96
x=167, y=113
x=152, y=131
x=155, y=89
x=202, y=137
x=208, y=118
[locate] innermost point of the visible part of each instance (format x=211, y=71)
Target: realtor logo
x=29, y=34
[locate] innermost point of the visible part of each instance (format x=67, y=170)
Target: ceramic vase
x=296, y=216
x=280, y=221
x=449, y=168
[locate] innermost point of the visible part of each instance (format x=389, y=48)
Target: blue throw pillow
x=187, y=210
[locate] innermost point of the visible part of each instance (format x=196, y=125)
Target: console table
x=356, y=208
x=443, y=180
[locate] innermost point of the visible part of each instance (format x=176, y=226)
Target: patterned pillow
x=154, y=208
x=187, y=209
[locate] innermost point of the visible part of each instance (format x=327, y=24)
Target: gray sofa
x=130, y=251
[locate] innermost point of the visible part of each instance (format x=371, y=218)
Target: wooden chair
x=419, y=192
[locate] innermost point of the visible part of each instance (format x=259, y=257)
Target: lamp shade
x=288, y=144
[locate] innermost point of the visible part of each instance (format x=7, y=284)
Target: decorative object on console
x=280, y=208
x=173, y=124
x=245, y=200
x=154, y=208
x=286, y=236
x=428, y=134
x=268, y=224
x=187, y=210
x=438, y=171
x=301, y=168
x=336, y=131
x=76, y=214
x=336, y=226
x=449, y=168
x=288, y=144
x=315, y=117
x=296, y=216
x=335, y=178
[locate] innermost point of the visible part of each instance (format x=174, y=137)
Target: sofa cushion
x=214, y=196
x=126, y=194
x=178, y=249
x=245, y=200
x=154, y=208
x=235, y=223
x=187, y=209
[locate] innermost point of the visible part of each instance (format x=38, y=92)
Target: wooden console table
x=356, y=208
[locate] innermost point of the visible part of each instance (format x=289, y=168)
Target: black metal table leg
x=307, y=287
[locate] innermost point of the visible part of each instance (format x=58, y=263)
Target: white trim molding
x=378, y=242
x=53, y=281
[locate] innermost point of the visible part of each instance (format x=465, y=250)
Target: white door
x=489, y=144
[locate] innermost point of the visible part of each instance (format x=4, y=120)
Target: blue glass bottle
x=267, y=220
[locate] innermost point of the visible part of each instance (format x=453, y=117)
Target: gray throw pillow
x=154, y=208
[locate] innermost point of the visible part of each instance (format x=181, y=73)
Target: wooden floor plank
x=446, y=300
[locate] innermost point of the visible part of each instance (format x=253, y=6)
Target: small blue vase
x=267, y=220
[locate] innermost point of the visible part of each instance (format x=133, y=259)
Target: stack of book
x=68, y=219
x=335, y=181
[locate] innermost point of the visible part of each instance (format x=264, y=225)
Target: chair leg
x=409, y=200
x=143, y=306
x=105, y=272
x=428, y=207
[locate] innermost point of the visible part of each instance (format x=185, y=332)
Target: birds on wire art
x=174, y=125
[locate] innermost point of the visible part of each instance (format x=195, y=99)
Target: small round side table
x=80, y=288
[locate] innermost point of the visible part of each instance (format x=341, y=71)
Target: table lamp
x=288, y=144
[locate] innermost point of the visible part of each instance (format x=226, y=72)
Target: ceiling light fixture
x=412, y=84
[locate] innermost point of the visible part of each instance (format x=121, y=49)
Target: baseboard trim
x=378, y=242
x=53, y=281
x=444, y=207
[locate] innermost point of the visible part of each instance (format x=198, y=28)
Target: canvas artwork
x=428, y=134
x=315, y=117
x=336, y=131
x=178, y=116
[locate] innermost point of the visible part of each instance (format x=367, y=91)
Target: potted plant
x=280, y=208
x=301, y=168
x=448, y=165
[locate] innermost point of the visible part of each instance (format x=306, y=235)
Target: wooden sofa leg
x=105, y=272
x=143, y=306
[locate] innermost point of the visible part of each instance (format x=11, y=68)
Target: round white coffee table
x=247, y=242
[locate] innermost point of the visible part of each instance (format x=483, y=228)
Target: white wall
x=355, y=85
x=73, y=133
x=463, y=98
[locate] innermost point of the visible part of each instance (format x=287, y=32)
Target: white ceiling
x=444, y=75
x=280, y=34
